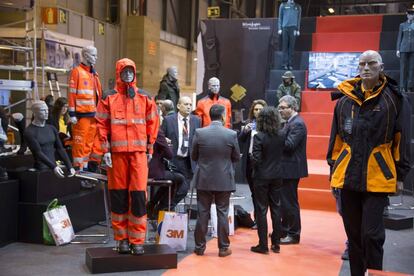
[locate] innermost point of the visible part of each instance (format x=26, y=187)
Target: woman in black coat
x=267, y=171
x=246, y=141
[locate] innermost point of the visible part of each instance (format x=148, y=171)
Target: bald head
x=89, y=55
x=370, y=67
x=184, y=106
x=172, y=72
x=214, y=85
x=40, y=112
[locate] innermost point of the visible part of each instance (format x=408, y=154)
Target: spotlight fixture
x=331, y=10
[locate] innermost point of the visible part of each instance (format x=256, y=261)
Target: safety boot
x=137, y=249
x=123, y=247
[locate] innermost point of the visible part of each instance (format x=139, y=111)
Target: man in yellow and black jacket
x=368, y=154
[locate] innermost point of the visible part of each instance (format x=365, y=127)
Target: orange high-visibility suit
x=127, y=127
x=84, y=90
x=204, y=105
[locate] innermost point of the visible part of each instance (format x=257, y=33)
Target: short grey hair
x=168, y=105
x=291, y=102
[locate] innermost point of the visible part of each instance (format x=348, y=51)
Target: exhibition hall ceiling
x=15, y=4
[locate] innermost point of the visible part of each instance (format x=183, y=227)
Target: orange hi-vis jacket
x=127, y=124
x=204, y=105
x=84, y=90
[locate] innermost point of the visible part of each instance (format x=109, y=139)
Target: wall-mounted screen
x=327, y=70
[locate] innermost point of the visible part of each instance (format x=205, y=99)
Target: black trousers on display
x=288, y=45
x=268, y=194
x=362, y=213
x=407, y=71
x=290, y=210
x=204, y=201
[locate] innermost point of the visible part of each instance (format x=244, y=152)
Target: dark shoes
x=123, y=247
x=224, y=252
x=254, y=227
x=275, y=248
x=137, y=249
x=199, y=251
x=22, y=150
x=345, y=255
x=259, y=249
x=289, y=240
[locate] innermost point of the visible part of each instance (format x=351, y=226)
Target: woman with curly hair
x=268, y=146
x=246, y=141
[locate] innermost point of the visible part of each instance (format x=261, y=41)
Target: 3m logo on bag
x=65, y=223
x=175, y=234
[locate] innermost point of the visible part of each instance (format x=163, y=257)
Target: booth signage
x=152, y=48
x=213, y=12
x=62, y=16
x=101, y=28
x=49, y=15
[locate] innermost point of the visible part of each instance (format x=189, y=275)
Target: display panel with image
x=327, y=70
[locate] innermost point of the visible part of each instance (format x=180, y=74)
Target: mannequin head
x=128, y=74
x=40, y=112
x=89, y=55
x=287, y=78
x=290, y=1
x=214, y=85
x=172, y=72
x=410, y=14
x=370, y=67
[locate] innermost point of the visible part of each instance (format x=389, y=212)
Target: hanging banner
x=63, y=51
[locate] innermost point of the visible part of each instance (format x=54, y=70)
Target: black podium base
x=85, y=209
x=39, y=186
x=9, y=198
x=105, y=259
x=398, y=222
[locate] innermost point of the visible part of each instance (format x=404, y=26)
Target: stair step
x=317, y=101
x=318, y=175
x=349, y=24
x=316, y=199
x=317, y=123
x=317, y=146
x=341, y=42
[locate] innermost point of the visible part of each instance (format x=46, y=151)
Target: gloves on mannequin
x=107, y=159
x=149, y=157
x=398, y=53
x=59, y=172
x=72, y=172
x=73, y=120
x=279, y=32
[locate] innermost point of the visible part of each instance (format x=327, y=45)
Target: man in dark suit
x=215, y=149
x=179, y=129
x=294, y=164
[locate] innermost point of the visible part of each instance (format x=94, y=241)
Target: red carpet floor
x=322, y=243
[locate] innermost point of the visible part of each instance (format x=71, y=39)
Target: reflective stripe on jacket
x=84, y=90
x=368, y=147
x=131, y=123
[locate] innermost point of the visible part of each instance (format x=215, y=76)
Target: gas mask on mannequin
x=89, y=55
x=128, y=76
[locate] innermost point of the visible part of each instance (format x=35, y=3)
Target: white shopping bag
x=213, y=216
x=59, y=224
x=174, y=231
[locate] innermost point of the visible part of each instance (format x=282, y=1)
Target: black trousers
x=161, y=196
x=250, y=181
x=184, y=166
x=407, y=71
x=204, y=201
x=362, y=213
x=267, y=193
x=290, y=210
x=288, y=45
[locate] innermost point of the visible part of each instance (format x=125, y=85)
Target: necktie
x=184, y=145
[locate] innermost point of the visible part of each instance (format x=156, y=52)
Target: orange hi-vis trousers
x=97, y=151
x=83, y=135
x=127, y=184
